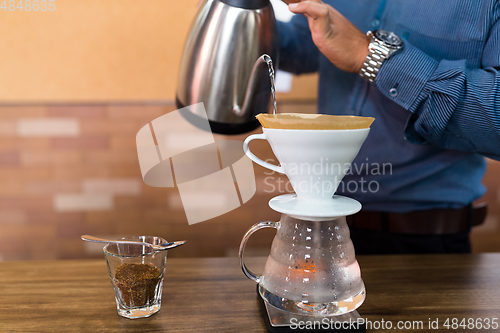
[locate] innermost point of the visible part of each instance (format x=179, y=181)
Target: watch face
x=389, y=37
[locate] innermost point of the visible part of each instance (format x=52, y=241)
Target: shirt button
x=375, y=23
x=393, y=92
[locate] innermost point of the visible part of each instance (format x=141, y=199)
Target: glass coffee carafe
x=312, y=268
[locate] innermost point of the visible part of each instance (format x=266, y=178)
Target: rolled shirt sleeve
x=452, y=106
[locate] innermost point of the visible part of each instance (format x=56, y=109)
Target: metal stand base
x=278, y=320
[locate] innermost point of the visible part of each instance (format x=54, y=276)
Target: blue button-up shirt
x=436, y=103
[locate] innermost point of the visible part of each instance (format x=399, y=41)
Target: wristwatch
x=383, y=45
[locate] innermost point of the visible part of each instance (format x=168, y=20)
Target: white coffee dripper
x=315, y=162
x=312, y=269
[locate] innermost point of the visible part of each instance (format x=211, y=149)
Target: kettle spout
x=252, y=83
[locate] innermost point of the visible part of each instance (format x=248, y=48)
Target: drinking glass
x=136, y=273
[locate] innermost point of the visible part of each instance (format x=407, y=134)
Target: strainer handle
x=254, y=158
x=254, y=228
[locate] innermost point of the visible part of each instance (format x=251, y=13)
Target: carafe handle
x=254, y=228
x=257, y=160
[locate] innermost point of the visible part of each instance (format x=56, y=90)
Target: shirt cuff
x=402, y=77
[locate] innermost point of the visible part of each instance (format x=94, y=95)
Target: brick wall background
x=72, y=170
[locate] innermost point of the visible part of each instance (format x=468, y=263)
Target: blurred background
x=76, y=85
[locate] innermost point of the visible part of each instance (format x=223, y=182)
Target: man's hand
x=334, y=35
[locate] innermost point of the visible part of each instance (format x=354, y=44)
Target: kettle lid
x=247, y=4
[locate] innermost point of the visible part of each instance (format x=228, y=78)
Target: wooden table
x=213, y=295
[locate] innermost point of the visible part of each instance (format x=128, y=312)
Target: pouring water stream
x=269, y=63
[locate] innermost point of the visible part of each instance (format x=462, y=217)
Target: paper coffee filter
x=313, y=121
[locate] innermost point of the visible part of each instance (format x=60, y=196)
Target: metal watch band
x=376, y=55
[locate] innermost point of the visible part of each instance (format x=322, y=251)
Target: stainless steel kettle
x=222, y=64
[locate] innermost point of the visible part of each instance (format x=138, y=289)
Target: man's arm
x=452, y=106
x=335, y=36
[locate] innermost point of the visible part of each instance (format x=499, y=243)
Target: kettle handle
x=254, y=228
x=257, y=160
